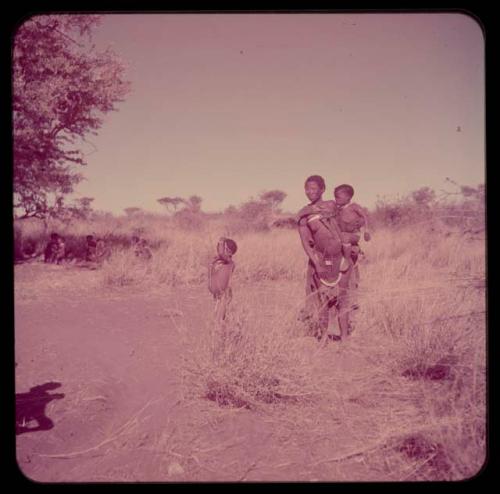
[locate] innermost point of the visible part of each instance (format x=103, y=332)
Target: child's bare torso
x=349, y=219
x=220, y=271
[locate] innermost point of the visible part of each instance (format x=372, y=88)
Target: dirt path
x=116, y=355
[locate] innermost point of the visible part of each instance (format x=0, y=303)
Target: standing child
x=219, y=276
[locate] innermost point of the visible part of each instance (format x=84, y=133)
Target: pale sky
x=226, y=106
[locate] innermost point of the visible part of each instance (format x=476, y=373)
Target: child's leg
x=343, y=318
x=354, y=280
x=344, y=305
x=220, y=309
x=347, y=254
x=221, y=305
x=228, y=296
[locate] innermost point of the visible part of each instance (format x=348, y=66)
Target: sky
x=226, y=106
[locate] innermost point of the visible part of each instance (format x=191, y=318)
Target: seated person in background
x=90, y=252
x=219, y=276
x=51, y=248
x=141, y=248
x=102, y=250
x=60, y=250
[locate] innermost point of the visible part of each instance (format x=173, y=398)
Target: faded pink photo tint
x=249, y=247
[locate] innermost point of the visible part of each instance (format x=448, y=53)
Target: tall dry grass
x=405, y=394
x=182, y=257
x=408, y=387
x=423, y=298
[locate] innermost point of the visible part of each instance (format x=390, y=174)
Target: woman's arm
x=307, y=240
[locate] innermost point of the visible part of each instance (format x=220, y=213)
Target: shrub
x=251, y=362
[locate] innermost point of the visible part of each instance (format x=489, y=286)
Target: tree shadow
x=31, y=407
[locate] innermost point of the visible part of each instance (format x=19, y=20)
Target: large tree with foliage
x=61, y=88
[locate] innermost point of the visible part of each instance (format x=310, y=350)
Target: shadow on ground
x=30, y=408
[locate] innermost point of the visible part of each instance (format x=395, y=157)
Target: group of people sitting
x=96, y=249
x=330, y=231
x=55, y=250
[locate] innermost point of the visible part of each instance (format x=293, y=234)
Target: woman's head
x=314, y=187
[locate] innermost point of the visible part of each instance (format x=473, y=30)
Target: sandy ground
x=116, y=354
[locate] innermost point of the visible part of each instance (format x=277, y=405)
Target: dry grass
x=183, y=256
x=406, y=391
x=404, y=398
x=254, y=359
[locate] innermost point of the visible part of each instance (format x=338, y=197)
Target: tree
x=171, y=203
x=132, y=211
x=61, y=87
x=256, y=214
x=273, y=197
x=465, y=191
x=194, y=203
x=83, y=207
x=423, y=196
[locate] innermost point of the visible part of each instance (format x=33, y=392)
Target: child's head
x=226, y=247
x=314, y=187
x=343, y=194
x=54, y=237
x=231, y=246
x=90, y=238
